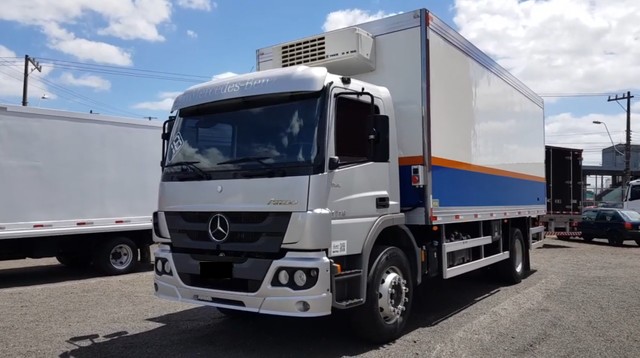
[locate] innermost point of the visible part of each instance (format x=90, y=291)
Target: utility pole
x=25, y=82
x=627, y=147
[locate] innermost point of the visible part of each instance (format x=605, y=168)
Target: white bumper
x=315, y=301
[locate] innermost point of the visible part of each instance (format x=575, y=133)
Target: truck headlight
x=295, y=278
x=283, y=277
x=300, y=278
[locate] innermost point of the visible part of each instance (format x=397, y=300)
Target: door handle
x=382, y=202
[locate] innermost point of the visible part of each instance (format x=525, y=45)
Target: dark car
x=615, y=225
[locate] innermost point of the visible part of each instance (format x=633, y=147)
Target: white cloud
x=344, y=18
x=568, y=130
x=99, y=52
x=137, y=20
x=86, y=50
x=96, y=82
x=223, y=75
x=205, y=5
x=124, y=19
x=164, y=102
x=192, y=34
x=558, y=46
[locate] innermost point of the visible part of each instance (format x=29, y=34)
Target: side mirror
x=379, y=138
x=167, y=127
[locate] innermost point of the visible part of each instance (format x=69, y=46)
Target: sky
x=132, y=57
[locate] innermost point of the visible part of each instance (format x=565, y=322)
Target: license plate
x=216, y=270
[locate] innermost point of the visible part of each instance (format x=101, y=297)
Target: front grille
x=258, y=232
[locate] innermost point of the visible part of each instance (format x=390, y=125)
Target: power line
x=89, y=101
x=131, y=72
x=575, y=94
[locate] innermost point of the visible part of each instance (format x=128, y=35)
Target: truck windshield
x=275, y=135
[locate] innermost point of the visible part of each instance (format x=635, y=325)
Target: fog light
x=167, y=267
x=283, y=277
x=314, y=273
x=300, y=278
x=303, y=306
x=159, y=267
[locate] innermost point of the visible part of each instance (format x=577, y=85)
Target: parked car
x=615, y=225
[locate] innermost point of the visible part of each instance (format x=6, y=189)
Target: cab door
x=359, y=187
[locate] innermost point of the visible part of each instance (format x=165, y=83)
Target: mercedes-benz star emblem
x=218, y=228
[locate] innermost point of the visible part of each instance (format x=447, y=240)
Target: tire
x=116, y=256
x=638, y=242
x=587, y=238
x=383, y=316
x=74, y=260
x=514, y=268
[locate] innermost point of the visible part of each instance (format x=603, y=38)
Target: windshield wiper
x=246, y=160
x=191, y=165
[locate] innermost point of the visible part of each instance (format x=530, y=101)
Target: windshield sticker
x=176, y=145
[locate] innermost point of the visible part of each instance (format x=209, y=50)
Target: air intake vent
x=346, y=52
x=303, y=52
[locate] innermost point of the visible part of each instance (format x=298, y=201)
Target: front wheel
x=384, y=314
x=587, y=238
x=638, y=242
x=118, y=255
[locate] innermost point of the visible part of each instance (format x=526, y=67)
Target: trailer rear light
x=628, y=226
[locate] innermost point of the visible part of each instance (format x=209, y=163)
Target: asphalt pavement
x=580, y=300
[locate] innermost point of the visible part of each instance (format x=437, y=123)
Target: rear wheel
x=118, y=255
x=638, y=242
x=384, y=314
x=513, y=269
x=587, y=238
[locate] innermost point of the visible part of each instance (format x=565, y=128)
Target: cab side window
x=351, y=129
x=634, y=192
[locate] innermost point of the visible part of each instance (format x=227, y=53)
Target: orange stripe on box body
x=447, y=163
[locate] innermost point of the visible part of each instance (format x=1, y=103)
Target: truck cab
x=255, y=177
x=632, y=196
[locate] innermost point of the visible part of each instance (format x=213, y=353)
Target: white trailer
x=351, y=167
x=79, y=187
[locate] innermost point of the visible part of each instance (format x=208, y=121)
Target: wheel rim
x=121, y=256
x=392, y=295
x=518, y=256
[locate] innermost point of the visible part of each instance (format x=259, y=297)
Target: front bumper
x=312, y=302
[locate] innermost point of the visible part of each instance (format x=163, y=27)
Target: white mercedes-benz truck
x=352, y=166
